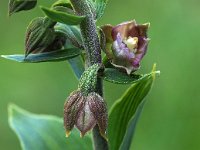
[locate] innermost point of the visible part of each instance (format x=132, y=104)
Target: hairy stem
x=93, y=55
x=88, y=30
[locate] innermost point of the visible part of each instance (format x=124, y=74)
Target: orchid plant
x=68, y=32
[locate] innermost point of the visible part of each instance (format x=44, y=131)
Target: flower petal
x=142, y=29
x=142, y=48
x=85, y=119
x=99, y=110
x=126, y=29
x=107, y=29
x=123, y=57
x=71, y=108
x=130, y=28
x=125, y=65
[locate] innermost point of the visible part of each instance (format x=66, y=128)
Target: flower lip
x=130, y=28
x=85, y=119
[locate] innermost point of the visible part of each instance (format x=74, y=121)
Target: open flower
x=126, y=44
x=85, y=112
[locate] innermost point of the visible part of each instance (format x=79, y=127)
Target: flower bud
x=71, y=108
x=85, y=108
x=41, y=37
x=19, y=5
x=98, y=108
x=85, y=112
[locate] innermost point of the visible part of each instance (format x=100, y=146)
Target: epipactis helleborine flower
x=126, y=44
x=85, y=111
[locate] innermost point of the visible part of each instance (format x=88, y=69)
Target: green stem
x=88, y=31
x=93, y=55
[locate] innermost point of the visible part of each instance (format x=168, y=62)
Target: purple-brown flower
x=126, y=44
x=85, y=111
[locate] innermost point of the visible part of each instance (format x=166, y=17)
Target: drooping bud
x=85, y=112
x=85, y=108
x=99, y=110
x=19, y=5
x=40, y=36
x=72, y=106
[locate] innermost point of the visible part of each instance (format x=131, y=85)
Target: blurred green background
x=171, y=118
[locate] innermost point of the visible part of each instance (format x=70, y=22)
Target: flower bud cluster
x=84, y=108
x=85, y=112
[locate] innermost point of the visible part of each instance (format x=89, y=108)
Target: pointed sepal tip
x=68, y=133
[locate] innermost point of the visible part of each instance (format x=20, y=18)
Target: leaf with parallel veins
x=62, y=17
x=58, y=55
x=126, y=109
x=44, y=132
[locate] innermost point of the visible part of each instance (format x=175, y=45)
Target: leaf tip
x=154, y=71
x=44, y=9
x=11, y=110
x=154, y=67
x=41, y=7
x=4, y=56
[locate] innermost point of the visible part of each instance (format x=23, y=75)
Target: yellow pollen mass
x=132, y=43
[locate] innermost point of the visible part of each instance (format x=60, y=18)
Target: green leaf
x=77, y=66
x=44, y=132
x=127, y=140
x=64, y=3
x=125, y=109
x=59, y=55
x=72, y=33
x=62, y=17
x=100, y=7
x=115, y=76
x=19, y=5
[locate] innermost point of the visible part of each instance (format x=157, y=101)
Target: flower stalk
x=88, y=30
x=93, y=56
